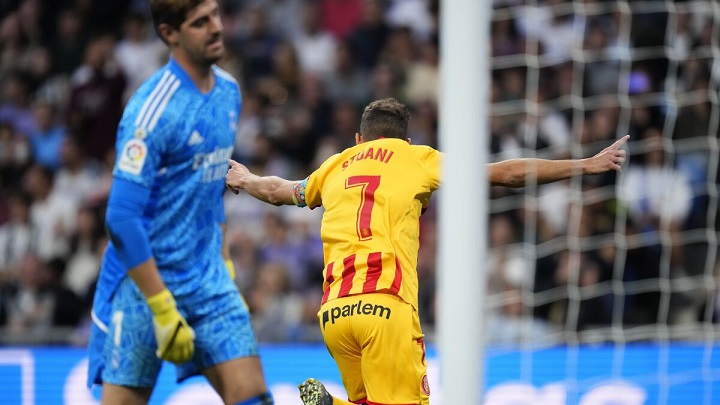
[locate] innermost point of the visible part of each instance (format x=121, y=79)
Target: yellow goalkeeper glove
x=173, y=334
x=231, y=268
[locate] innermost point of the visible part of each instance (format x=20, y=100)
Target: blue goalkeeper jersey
x=176, y=141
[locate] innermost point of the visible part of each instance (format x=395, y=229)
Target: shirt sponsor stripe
x=328, y=282
x=374, y=270
x=347, y=276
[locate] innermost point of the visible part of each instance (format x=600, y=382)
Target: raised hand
x=610, y=158
x=235, y=176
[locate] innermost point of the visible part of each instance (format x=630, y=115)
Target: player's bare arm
x=271, y=189
x=515, y=172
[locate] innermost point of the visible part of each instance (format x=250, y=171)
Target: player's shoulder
x=424, y=151
x=160, y=81
x=225, y=78
x=153, y=100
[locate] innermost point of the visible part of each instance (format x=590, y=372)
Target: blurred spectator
x=283, y=16
x=277, y=310
x=602, y=72
x=369, y=38
x=414, y=14
x=600, y=125
x=286, y=75
x=658, y=199
x=48, y=136
x=315, y=47
x=424, y=124
x=67, y=307
x=340, y=17
x=17, y=238
x=682, y=38
x=513, y=325
x=39, y=68
x=86, y=246
x=69, y=44
x=296, y=141
x=505, y=37
x=52, y=215
x=15, y=103
x=423, y=78
x=347, y=82
x=312, y=95
x=657, y=195
x=280, y=247
x=256, y=46
x=15, y=45
x=592, y=309
x=30, y=305
x=96, y=95
x=139, y=53
x=507, y=266
x=385, y=81
x=78, y=177
x=400, y=50
x=346, y=120
x=558, y=30
x=14, y=154
x=249, y=128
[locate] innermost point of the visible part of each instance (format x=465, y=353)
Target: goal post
x=463, y=137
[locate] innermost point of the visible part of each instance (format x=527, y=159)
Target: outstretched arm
x=515, y=172
x=271, y=189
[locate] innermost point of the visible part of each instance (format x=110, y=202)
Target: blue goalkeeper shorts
x=122, y=351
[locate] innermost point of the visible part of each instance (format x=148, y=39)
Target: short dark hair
x=387, y=118
x=171, y=12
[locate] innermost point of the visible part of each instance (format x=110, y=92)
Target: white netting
x=614, y=259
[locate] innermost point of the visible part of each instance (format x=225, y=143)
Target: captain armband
x=298, y=194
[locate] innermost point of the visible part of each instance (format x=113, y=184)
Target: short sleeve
x=313, y=189
x=315, y=182
x=433, y=164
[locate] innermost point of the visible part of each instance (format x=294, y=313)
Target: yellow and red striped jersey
x=373, y=195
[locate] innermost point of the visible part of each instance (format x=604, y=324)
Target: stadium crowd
x=563, y=85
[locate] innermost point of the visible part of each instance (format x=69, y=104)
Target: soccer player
x=373, y=195
x=165, y=290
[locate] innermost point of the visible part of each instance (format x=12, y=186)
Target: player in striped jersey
x=373, y=195
x=165, y=289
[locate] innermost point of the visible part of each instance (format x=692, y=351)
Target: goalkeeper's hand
x=173, y=334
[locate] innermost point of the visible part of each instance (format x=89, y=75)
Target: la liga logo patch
x=132, y=158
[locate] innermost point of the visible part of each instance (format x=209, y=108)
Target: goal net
x=607, y=284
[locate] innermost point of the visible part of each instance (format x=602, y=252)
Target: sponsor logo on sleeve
x=132, y=158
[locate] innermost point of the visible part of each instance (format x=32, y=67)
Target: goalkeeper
x=373, y=195
x=165, y=289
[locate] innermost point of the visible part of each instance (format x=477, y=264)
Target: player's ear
x=167, y=34
x=358, y=138
x=409, y=140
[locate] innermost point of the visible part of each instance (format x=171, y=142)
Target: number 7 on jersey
x=368, y=185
